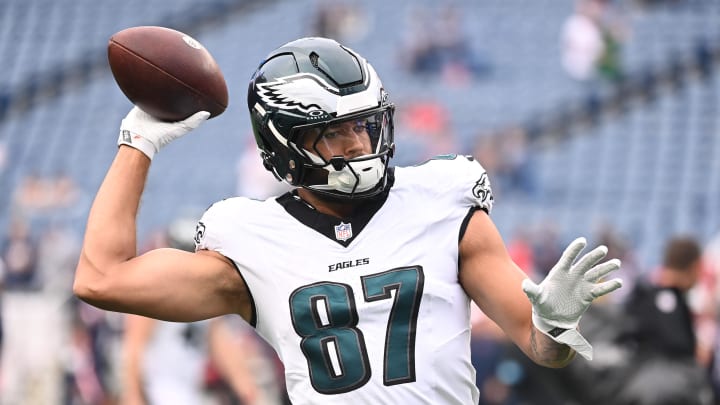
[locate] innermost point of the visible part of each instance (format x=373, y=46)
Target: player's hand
x=146, y=133
x=568, y=290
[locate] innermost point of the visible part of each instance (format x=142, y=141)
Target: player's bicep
x=492, y=279
x=172, y=285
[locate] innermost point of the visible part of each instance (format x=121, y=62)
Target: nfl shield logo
x=343, y=231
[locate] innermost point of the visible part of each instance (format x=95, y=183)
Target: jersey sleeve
x=476, y=184
x=464, y=180
x=211, y=228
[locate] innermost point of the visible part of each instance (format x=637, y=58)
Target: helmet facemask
x=346, y=157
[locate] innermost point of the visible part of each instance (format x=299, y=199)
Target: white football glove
x=148, y=134
x=568, y=290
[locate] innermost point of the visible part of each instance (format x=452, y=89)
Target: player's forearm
x=111, y=229
x=546, y=352
x=110, y=236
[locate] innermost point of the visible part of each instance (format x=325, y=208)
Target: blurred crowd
x=660, y=330
x=656, y=341
x=55, y=349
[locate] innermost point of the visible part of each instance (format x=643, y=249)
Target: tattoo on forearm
x=547, y=351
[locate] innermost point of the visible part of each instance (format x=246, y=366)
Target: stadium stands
x=649, y=169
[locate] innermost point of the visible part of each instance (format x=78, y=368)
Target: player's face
x=348, y=139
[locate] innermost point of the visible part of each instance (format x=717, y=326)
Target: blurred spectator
x=485, y=151
x=3, y=151
x=489, y=346
x=20, y=255
x=34, y=322
x=707, y=299
x=85, y=361
x=40, y=194
x=521, y=250
x=253, y=180
x=547, y=247
x=515, y=170
x=506, y=157
x=661, y=332
x=267, y=372
x=48, y=200
x=189, y=363
x=2, y=332
x=424, y=130
x=591, y=39
x=619, y=247
x=165, y=362
x=435, y=44
x=339, y=20
x=58, y=250
x=582, y=382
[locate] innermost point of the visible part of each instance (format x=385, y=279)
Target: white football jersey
x=365, y=309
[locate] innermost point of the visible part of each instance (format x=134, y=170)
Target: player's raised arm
x=166, y=283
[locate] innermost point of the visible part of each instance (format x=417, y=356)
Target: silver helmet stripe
x=277, y=134
x=260, y=109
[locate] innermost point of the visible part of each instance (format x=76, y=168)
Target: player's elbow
x=89, y=284
x=85, y=289
x=94, y=293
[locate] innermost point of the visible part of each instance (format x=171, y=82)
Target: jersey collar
x=340, y=230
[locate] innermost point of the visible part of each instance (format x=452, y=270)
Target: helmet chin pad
x=356, y=176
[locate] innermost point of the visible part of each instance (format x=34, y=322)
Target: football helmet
x=306, y=89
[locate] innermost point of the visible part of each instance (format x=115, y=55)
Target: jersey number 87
x=324, y=315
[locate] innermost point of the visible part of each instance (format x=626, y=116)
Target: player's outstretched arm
x=166, y=283
x=494, y=282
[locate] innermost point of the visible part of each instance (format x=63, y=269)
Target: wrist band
x=138, y=142
x=569, y=336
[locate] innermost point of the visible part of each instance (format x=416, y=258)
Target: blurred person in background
x=169, y=362
x=621, y=248
x=340, y=19
x=362, y=277
x=707, y=300
x=661, y=332
x=19, y=251
x=435, y=44
x=253, y=180
x=591, y=41
x=34, y=316
x=89, y=377
x=425, y=130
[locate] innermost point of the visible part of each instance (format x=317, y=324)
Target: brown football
x=166, y=73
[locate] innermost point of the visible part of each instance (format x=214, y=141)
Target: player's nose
x=355, y=145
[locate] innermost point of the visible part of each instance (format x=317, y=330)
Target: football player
x=360, y=278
